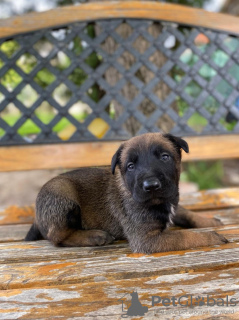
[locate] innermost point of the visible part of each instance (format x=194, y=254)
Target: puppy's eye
x=130, y=166
x=165, y=157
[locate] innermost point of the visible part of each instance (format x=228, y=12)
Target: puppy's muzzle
x=151, y=184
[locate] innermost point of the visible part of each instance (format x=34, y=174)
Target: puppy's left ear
x=116, y=159
x=178, y=142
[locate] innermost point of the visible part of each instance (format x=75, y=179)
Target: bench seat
x=39, y=281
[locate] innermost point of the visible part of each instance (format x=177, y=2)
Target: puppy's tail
x=33, y=234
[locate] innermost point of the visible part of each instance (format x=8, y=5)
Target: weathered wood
x=124, y=9
x=17, y=215
x=227, y=216
x=10, y=233
x=71, y=266
x=211, y=199
x=101, y=298
x=73, y=155
x=13, y=252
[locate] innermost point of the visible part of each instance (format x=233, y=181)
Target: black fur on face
x=154, y=162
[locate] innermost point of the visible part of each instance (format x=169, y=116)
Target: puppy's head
x=150, y=166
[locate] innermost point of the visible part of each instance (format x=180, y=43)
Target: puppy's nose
x=151, y=184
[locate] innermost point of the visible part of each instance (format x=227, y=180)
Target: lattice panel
x=113, y=79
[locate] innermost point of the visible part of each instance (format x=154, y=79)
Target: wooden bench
x=39, y=281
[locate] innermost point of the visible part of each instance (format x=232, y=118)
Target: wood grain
x=124, y=9
x=38, y=264
x=73, y=155
x=211, y=199
x=17, y=215
x=99, y=299
x=11, y=233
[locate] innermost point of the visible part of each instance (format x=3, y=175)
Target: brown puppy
x=92, y=206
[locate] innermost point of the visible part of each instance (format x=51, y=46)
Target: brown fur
x=90, y=206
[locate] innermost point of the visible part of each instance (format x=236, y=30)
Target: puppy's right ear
x=116, y=159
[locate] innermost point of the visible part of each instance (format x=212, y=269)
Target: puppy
x=136, y=200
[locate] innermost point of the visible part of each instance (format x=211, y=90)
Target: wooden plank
x=11, y=233
x=17, y=215
x=124, y=9
x=73, y=155
x=227, y=216
x=100, y=299
x=43, y=250
x=117, y=259
x=212, y=147
x=108, y=265
x=211, y=199
x=70, y=155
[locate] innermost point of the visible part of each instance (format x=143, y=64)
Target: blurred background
x=20, y=188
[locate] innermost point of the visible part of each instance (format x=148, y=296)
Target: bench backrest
x=77, y=80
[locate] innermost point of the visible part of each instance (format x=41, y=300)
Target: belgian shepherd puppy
x=136, y=199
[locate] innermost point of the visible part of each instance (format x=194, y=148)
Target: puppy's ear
x=116, y=159
x=178, y=142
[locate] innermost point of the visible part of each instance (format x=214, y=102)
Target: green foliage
x=78, y=76
x=27, y=62
x=95, y=93
x=29, y=127
x=207, y=175
x=93, y=60
x=11, y=79
x=77, y=46
x=44, y=77
x=9, y=47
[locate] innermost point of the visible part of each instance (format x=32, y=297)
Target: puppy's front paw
x=215, y=238
x=215, y=222
x=100, y=238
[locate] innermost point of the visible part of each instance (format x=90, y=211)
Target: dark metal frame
x=185, y=37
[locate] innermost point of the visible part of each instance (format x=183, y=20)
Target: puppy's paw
x=216, y=238
x=100, y=238
x=215, y=222
x=208, y=222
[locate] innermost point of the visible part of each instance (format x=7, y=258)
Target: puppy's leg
x=33, y=234
x=67, y=232
x=59, y=217
x=87, y=238
x=149, y=239
x=189, y=219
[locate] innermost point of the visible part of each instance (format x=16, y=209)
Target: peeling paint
x=171, y=278
x=41, y=295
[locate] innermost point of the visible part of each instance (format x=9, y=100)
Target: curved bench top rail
x=133, y=9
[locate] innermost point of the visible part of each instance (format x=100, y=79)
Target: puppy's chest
x=162, y=213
